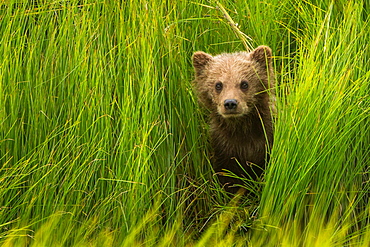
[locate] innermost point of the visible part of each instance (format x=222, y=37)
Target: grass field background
x=102, y=142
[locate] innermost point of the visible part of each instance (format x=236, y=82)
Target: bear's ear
x=262, y=55
x=200, y=60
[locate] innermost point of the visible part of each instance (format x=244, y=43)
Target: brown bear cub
x=238, y=90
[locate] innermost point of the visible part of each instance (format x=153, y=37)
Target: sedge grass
x=102, y=142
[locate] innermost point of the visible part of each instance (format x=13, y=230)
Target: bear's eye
x=244, y=85
x=218, y=86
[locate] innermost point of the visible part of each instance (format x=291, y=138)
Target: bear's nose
x=230, y=104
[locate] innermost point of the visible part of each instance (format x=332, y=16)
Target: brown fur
x=242, y=132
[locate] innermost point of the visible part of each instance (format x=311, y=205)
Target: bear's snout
x=232, y=108
x=230, y=104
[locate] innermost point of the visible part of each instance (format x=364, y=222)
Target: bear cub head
x=234, y=84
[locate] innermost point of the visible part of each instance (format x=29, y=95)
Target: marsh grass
x=102, y=142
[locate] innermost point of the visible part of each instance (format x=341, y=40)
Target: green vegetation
x=102, y=142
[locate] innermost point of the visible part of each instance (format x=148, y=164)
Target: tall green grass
x=102, y=142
